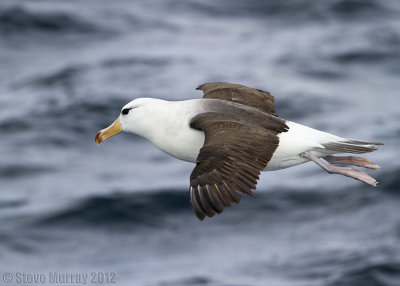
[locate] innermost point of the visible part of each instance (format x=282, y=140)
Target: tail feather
x=360, y=142
x=352, y=146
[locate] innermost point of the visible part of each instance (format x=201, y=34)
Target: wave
x=15, y=20
x=129, y=61
x=389, y=181
x=70, y=76
x=292, y=10
x=366, y=56
x=12, y=204
x=385, y=274
x=66, y=121
x=64, y=76
x=193, y=281
x=122, y=209
x=16, y=171
x=152, y=208
x=346, y=8
x=288, y=107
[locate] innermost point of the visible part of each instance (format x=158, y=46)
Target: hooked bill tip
x=97, y=139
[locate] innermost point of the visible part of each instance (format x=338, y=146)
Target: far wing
x=259, y=99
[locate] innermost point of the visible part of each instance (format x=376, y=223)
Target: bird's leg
x=351, y=160
x=345, y=171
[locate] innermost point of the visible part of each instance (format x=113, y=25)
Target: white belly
x=186, y=145
x=297, y=140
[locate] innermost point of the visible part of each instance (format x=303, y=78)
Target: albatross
x=232, y=134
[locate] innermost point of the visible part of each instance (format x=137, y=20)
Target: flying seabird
x=232, y=134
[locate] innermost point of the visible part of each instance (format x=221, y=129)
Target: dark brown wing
x=259, y=99
x=234, y=152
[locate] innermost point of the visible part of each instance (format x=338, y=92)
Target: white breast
x=185, y=145
x=173, y=134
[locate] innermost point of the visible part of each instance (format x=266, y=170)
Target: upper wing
x=259, y=99
x=238, y=145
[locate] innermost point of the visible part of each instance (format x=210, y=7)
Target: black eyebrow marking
x=125, y=111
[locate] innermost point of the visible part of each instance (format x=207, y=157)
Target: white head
x=133, y=118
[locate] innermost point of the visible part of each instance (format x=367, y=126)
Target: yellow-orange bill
x=108, y=132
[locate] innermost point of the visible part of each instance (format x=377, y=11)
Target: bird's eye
x=125, y=111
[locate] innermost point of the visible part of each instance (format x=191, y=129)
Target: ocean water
x=68, y=206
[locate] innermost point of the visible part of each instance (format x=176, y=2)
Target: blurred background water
x=67, y=205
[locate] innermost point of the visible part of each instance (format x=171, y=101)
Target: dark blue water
x=69, y=206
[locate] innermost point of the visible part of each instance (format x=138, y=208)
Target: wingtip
x=377, y=167
x=372, y=166
x=200, y=217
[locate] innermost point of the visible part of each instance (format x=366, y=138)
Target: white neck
x=166, y=125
